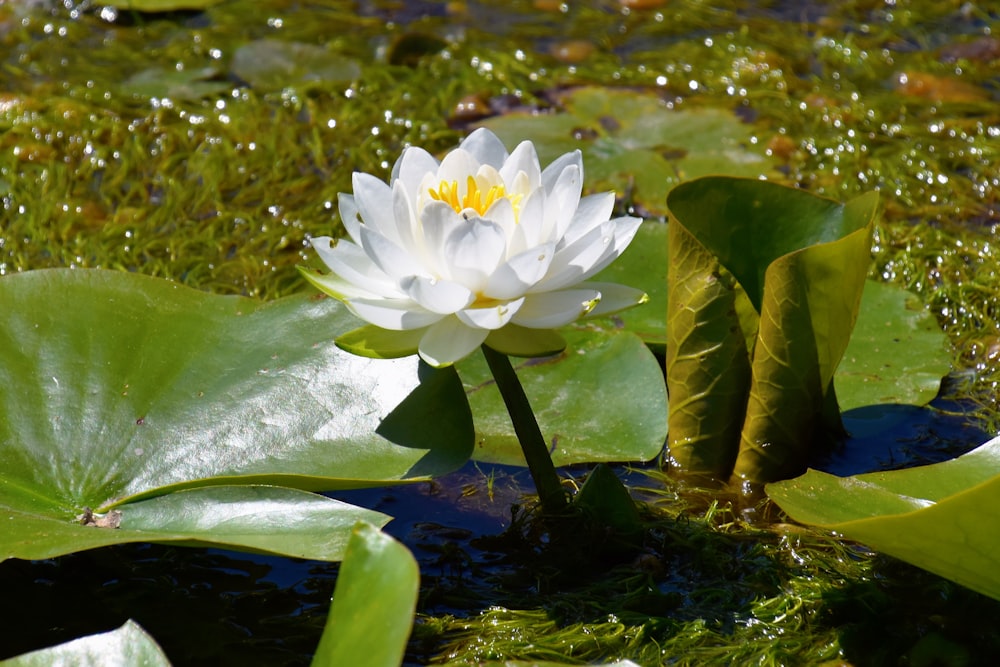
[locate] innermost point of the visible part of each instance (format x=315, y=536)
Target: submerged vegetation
x=147, y=143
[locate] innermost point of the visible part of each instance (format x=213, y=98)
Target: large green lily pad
x=262, y=519
x=941, y=517
x=633, y=144
x=600, y=399
x=129, y=388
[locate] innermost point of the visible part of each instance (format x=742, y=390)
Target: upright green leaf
x=897, y=352
x=372, y=611
x=124, y=388
x=707, y=364
x=767, y=278
x=127, y=646
x=941, y=517
x=810, y=305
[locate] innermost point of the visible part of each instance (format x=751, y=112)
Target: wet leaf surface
x=174, y=407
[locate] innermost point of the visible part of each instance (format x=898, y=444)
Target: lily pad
x=160, y=5
x=128, y=645
x=897, y=353
x=376, y=597
x=261, y=519
x=939, y=517
x=602, y=399
x=130, y=388
x=273, y=64
x=633, y=144
x=188, y=85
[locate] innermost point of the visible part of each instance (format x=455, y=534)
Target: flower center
x=474, y=197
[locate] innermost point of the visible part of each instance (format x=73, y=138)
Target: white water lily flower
x=482, y=244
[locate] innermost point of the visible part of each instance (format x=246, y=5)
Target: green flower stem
x=536, y=453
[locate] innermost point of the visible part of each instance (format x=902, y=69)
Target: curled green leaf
x=765, y=283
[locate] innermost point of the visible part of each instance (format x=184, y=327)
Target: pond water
x=182, y=145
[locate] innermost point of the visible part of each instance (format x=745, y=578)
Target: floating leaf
x=187, y=84
x=939, y=517
x=633, y=144
x=373, y=605
x=897, y=353
x=261, y=519
x=272, y=64
x=130, y=388
x=128, y=645
x=600, y=399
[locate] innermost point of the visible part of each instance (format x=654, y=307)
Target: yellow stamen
x=447, y=191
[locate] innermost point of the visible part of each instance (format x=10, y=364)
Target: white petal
x=473, y=252
x=614, y=297
x=562, y=201
x=549, y=310
x=492, y=317
x=437, y=296
x=625, y=230
x=395, y=314
x=520, y=273
x=449, y=341
x=485, y=147
x=592, y=211
x=552, y=172
x=530, y=222
x=393, y=260
x=411, y=167
x=457, y=166
x=372, y=197
x=337, y=287
x=502, y=213
x=349, y=216
x=524, y=160
x=438, y=221
x=353, y=265
x=403, y=215
x=571, y=264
